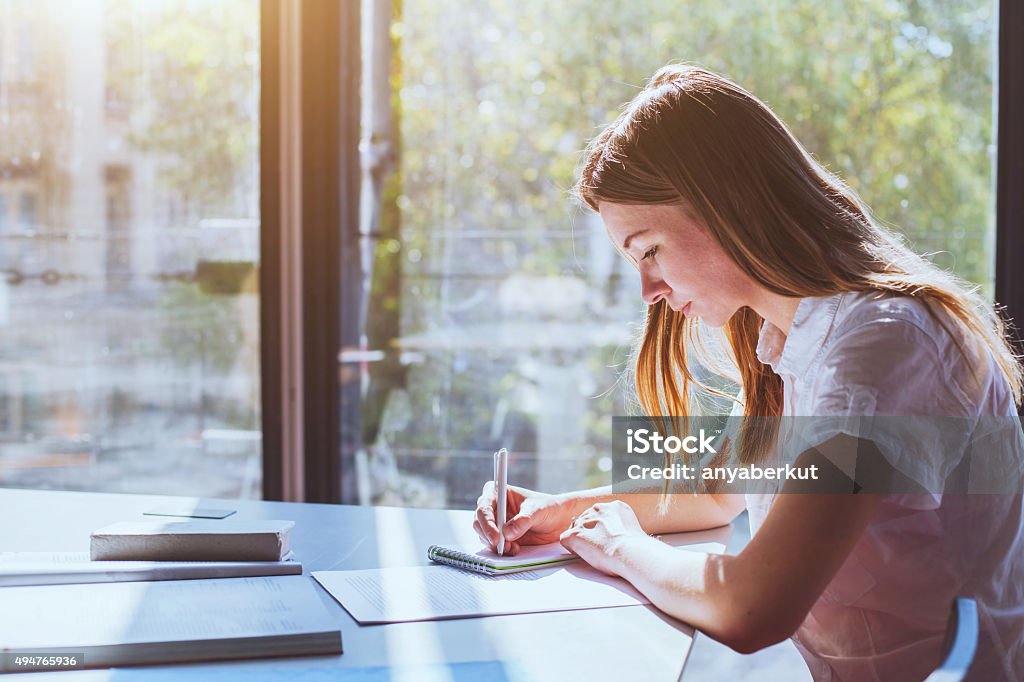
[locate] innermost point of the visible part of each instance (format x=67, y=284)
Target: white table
x=628, y=643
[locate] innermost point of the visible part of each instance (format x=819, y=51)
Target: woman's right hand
x=534, y=518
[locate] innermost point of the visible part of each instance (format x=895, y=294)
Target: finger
x=479, y=532
x=485, y=506
x=485, y=519
x=479, y=529
x=514, y=529
x=582, y=518
x=489, y=534
x=518, y=526
x=511, y=506
x=568, y=539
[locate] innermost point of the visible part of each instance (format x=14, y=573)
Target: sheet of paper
x=52, y=616
x=410, y=593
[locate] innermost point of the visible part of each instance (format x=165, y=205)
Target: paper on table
x=410, y=593
x=55, y=568
x=402, y=594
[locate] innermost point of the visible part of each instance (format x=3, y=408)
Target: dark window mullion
x=309, y=205
x=1010, y=166
x=271, y=360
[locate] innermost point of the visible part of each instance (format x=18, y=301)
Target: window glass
x=129, y=231
x=500, y=315
x=27, y=212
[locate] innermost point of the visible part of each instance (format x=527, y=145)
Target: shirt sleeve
x=885, y=381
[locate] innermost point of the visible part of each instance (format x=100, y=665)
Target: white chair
x=962, y=639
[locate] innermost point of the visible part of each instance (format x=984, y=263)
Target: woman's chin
x=713, y=319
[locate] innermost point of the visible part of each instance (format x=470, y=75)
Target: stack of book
x=165, y=598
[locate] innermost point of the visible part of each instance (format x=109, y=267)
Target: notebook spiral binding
x=451, y=557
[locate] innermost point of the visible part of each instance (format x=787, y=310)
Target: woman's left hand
x=601, y=533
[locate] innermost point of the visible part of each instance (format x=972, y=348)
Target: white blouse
x=884, y=615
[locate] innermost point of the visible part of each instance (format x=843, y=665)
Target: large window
x=129, y=237
x=499, y=315
x=492, y=312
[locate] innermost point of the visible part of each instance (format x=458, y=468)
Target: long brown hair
x=694, y=138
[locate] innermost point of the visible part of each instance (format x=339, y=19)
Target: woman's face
x=678, y=260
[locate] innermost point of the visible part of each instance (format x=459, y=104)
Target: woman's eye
x=650, y=253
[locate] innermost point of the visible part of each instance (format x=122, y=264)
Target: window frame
x=310, y=277
x=1009, y=291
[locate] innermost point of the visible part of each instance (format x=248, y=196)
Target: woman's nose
x=653, y=288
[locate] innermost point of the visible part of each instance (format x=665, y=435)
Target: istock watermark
x=824, y=454
x=643, y=441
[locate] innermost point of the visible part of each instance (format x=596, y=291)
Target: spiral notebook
x=474, y=558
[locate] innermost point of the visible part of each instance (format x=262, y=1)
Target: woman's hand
x=600, y=533
x=533, y=518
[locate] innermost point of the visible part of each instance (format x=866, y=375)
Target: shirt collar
x=795, y=353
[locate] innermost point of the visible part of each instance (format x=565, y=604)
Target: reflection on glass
x=128, y=184
x=497, y=315
x=27, y=212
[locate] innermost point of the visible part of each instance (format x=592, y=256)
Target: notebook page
x=528, y=554
x=711, y=540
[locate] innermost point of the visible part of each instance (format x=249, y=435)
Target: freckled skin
x=680, y=262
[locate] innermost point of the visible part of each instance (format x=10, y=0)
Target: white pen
x=501, y=490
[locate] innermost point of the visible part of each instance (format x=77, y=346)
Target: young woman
x=824, y=314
